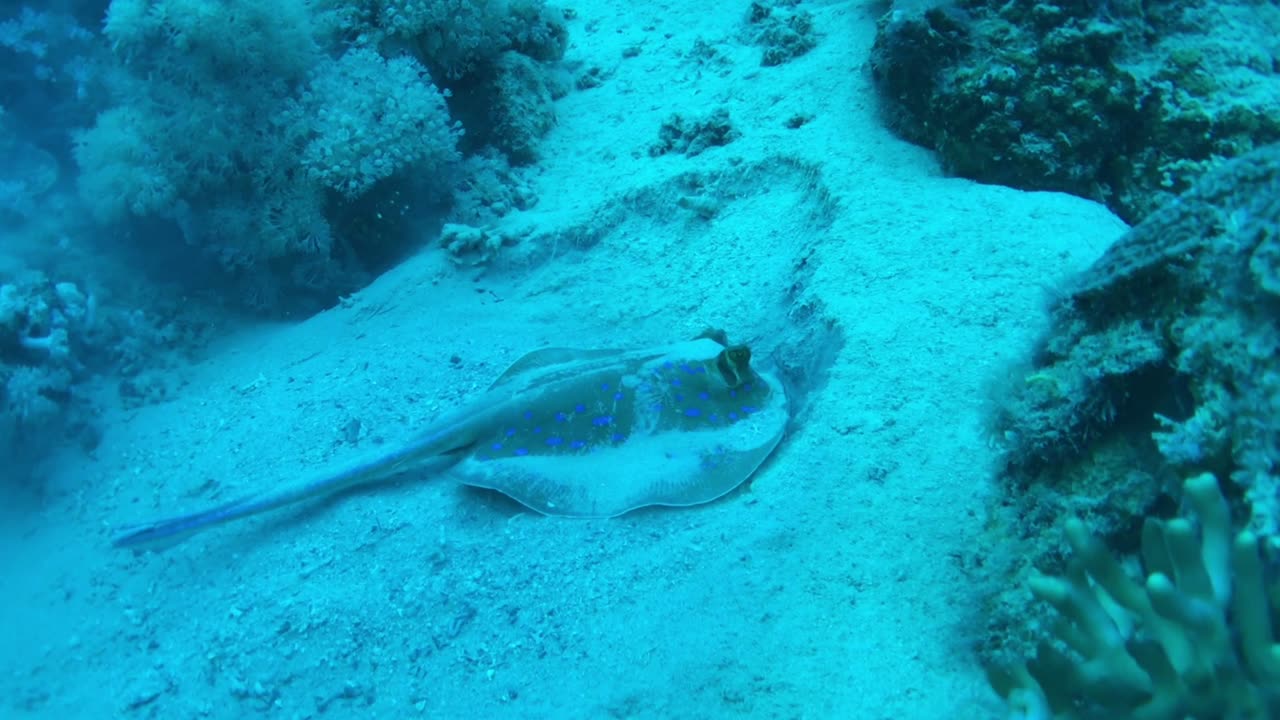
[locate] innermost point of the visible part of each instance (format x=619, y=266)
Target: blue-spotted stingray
x=582, y=433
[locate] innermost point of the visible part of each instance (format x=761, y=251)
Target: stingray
x=578, y=433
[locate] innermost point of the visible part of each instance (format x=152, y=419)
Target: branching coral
x=1194, y=639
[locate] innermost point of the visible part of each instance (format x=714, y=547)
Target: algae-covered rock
x=1162, y=361
x=1123, y=102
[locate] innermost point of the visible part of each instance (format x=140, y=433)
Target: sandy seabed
x=833, y=586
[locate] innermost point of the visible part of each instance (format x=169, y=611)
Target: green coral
x=1193, y=637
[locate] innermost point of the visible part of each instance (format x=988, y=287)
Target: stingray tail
x=431, y=452
x=170, y=531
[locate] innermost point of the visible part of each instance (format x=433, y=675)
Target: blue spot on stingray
x=618, y=437
x=602, y=421
x=747, y=409
x=746, y=388
x=679, y=397
x=617, y=396
x=554, y=441
x=528, y=414
x=692, y=412
x=704, y=395
x=537, y=431
x=497, y=446
x=676, y=383
x=656, y=407
x=668, y=364
x=733, y=416
x=580, y=408
x=714, y=419
x=510, y=432
x=604, y=387
x=733, y=393
x=577, y=444
x=685, y=367
x=522, y=451
x=561, y=417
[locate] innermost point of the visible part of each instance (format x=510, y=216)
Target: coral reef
x=45, y=348
x=58, y=341
x=51, y=69
x=1162, y=362
x=1190, y=636
x=310, y=121
x=458, y=38
x=1165, y=355
x=354, y=141
x=267, y=156
x=692, y=136
x=784, y=32
x=470, y=246
x=1125, y=103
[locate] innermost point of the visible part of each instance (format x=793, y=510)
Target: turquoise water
x=249, y=244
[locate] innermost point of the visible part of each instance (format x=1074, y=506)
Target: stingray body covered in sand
x=582, y=433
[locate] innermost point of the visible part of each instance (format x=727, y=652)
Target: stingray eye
x=734, y=365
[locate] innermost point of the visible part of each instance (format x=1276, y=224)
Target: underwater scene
x=540, y=359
